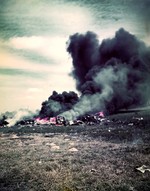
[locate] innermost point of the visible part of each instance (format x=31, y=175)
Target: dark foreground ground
x=102, y=157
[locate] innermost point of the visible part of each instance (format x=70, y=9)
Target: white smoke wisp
x=19, y=115
x=108, y=79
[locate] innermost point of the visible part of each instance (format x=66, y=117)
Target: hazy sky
x=33, y=36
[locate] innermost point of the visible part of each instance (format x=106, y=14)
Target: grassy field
x=101, y=157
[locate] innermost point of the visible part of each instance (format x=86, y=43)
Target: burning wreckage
x=60, y=120
x=27, y=120
x=110, y=75
x=88, y=119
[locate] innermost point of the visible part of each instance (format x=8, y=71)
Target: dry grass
x=101, y=161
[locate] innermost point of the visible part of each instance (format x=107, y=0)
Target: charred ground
x=97, y=157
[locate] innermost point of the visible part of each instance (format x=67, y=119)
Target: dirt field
x=102, y=157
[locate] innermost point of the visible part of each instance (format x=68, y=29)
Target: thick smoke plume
x=110, y=75
x=58, y=103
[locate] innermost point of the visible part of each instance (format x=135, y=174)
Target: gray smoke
x=110, y=76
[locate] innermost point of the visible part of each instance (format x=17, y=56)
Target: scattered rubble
x=54, y=146
x=143, y=168
x=93, y=170
x=73, y=149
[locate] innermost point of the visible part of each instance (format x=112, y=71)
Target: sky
x=33, y=42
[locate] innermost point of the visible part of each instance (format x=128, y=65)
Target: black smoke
x=58, y=103
x=110, y=75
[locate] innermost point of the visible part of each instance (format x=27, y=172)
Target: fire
x=100, y=114
x=58, y=120
x=38, y=120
